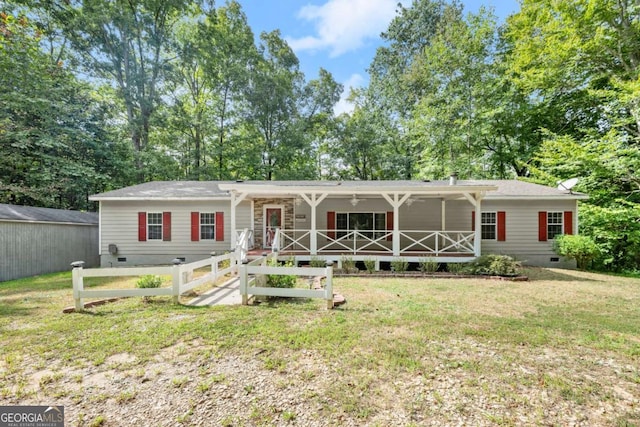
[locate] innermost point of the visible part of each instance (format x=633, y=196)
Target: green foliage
x=399, y=265
x=616, y=231
x=494, y=265
x=581, y=248
x=280, y=281
x=225, y=264
x=317, y=262
x=55, y=143
x=427, y=266
x=348, y=264
x=149, y=281
x=370, y=265
x=456, y=267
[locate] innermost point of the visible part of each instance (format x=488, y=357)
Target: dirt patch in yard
x=524, y=386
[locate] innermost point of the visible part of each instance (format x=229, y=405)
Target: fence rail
x=253, y=280
x=181, y=278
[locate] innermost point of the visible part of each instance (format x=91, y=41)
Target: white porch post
x=236, y=199
x=476, y=202
x=478, y=225
x=396, y=202
x=314, y=228
x=313, y=201
x=396, y=226
x=234, y=238
x=443, y=223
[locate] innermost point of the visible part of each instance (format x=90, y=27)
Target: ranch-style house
x=444, y=221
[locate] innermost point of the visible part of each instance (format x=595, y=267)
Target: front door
x=272, y=222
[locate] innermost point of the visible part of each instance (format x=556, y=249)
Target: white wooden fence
x=253, y=274
x=181, y=278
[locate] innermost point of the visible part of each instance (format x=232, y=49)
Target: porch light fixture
x=410, y=201
x=298, y=201
x=354, y=201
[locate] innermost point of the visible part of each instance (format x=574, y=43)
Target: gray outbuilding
x=41, y=240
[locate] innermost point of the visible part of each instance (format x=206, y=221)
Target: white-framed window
x=370, y=224
x=207, y=226
x=489, y=225
x=555, y=223
x=154, y=226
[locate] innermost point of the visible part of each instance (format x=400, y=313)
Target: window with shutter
x=154, y=226
x=207, y=225
x=554, y=224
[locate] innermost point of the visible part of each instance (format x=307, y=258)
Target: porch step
x=338, y=299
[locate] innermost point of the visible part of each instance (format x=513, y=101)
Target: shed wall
x=30, y=248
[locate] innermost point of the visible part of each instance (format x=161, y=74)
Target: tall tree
x=580, y=61
x=272, y=105
x=227, y=50
x=53, y=132
x=456, y=77
x=126, y=43
x=390, y=89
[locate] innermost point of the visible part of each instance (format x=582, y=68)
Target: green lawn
x=563, y=347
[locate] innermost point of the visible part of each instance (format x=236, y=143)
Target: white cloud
x=344, y=106
x=344, y=25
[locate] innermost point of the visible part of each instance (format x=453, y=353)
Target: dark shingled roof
x=511, y=188
x=210, y=189
x=166, y=189
x=29, y=213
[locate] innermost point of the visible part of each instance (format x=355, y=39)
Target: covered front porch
x=384, y=220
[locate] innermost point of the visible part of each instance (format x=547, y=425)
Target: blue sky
x=339, y=35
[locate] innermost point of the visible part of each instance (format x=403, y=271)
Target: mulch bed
x=430, y=275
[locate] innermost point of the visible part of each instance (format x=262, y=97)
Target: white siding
x=120, y=227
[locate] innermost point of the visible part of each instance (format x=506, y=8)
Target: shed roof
x=32, y=214
x=168, y=190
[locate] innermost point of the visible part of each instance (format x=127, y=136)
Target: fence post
x=177, y=279
x=78, y=284
x=214, y=267
x=328, y=287
x=244, y=277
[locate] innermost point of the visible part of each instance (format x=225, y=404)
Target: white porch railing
x=244, y=242
x=376, y=241
x=181, y=278
x=438, y=242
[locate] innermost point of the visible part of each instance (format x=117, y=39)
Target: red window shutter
x=568, y=222
x=542, y=226
x=219, y=226
x=331, y=224
x=195, y=226
x=473, y=220
x=142, y=226
x=390, y=224
x=166, y=226
x=502, y=231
